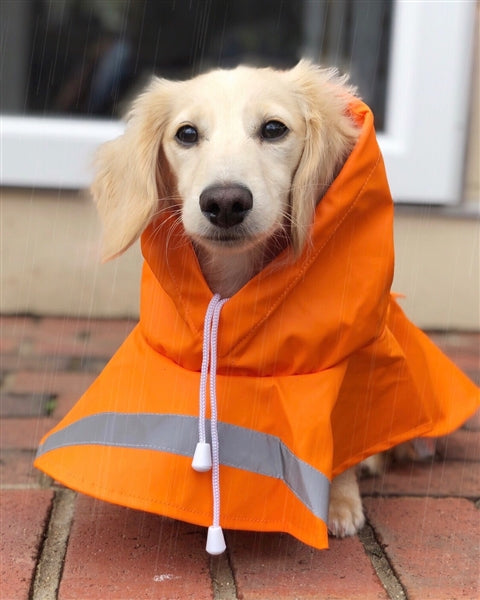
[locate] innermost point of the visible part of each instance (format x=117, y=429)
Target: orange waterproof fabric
x=316, y=353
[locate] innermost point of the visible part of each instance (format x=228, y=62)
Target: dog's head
x=241, y=155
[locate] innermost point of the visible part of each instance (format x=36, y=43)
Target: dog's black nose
x=226, y=205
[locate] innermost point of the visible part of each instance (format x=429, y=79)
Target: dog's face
x=239, y=154
x=233, y=141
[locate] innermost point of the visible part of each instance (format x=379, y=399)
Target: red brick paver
x=63, y=336
x=121, y=554
x=16, y=470
x=462, y=445
x=23, y=518
x=455, y=478
x=58, y=389
x=434, y=544
x=24, y=434
x=279, y=567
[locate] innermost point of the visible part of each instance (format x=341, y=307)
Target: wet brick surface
x=424, y=518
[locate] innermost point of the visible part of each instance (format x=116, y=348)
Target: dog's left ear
x=129, y=183
x=330, y=136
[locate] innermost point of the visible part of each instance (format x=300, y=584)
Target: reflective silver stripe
x=240, y=447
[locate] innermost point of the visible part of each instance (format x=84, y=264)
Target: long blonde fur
x=331, y=135
x=128, y=186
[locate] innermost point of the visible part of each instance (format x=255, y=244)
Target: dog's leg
x=345, y=515
x=372, y=466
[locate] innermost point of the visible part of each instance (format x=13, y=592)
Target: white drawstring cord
x=204, y=457
x=215, y=539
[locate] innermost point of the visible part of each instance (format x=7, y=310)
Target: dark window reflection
x=89, y=57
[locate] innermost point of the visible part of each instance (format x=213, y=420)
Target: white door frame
x=428, y=100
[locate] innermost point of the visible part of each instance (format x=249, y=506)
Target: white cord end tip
x=202, y=459
x=215, y=540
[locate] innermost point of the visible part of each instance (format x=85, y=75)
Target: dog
x=241, y=157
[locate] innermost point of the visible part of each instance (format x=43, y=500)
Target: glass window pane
x=89, y=57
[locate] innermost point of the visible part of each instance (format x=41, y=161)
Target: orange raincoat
x=317, y=368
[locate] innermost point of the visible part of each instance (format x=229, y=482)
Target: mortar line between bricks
x=381, y=563
x=20, y=486
x=50, y=563
x=223, y=580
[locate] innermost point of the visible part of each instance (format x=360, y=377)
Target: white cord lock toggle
x=215, y=540
x=202, y=459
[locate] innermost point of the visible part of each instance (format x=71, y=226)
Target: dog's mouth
x=237, y=239
x=226, y=239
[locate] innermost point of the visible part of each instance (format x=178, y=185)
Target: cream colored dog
x=243, y=156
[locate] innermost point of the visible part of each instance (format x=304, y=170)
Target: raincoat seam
x=188, y=318
x=248, y=519
x=107, y=489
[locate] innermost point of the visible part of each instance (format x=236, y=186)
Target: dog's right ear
x=127, y=187
x=330, y=136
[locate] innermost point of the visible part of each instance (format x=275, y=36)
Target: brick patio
x=421, y=541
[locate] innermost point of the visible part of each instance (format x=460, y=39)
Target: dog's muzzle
x=226, y=205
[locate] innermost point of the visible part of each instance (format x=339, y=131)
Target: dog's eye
x=273, y=130
x=187, y=135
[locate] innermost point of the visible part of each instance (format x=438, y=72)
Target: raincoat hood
x=316, y=368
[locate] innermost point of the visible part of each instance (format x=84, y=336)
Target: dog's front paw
x=345, y=514
x=345, y=517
